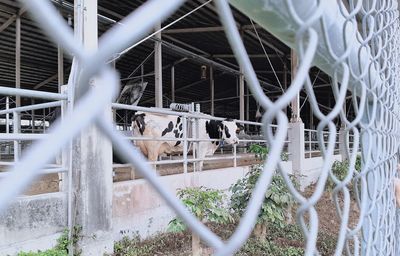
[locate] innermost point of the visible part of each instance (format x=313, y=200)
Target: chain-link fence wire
x=362, y=58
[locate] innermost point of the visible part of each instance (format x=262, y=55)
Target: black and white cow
x=159, y=126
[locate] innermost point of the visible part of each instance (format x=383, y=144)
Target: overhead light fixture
x=203, y=72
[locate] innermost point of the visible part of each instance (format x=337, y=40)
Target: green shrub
x=261, y=152
x=277, y=197
x=61, y=248
x=340, y=170
x=206, y=204
x=132, y=247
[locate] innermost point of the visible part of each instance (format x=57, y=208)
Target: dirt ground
x=329, y=221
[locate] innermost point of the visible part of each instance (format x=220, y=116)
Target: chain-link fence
x=355, y=42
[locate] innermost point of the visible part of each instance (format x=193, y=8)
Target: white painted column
x=296, y=101
x=296, y=148
x=158, y=69
x=91, y=159
x=173, y=83
x=212, y=90
x=296, y=130
x=343, y=136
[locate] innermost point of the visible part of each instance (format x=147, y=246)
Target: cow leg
x=153, y=156
x=202, y=154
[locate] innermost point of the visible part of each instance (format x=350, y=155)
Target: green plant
x=263, y=247
x=207, y=205
x=132, y=247
x=61, y=248
x=261, y=152
x=340, y=170
x=277, y=199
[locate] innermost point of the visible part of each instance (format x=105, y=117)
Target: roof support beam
x=48, y=80
x=10, y=21
x=204, y=29
x=227, y=56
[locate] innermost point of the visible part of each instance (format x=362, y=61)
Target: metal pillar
x=60, y=55
x=212, y=90
x=16, y=116
x=285, y=82
x=91, y=159
x=241, y=95
x=33, y=116
x=158, y=69
x=7, y=115
x=296, y=101
x=247, y=106
x=173, y=83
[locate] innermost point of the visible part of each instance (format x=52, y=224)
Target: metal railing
x=194, y=139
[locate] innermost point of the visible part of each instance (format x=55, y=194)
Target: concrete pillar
x=296, y=147
x=285, y=83
x=342, y=137
x=342, y=143
x=91, y=160
x=296, y=101
x=212, y=90
x=241, y=95
x=158, y=69
x=173, y=83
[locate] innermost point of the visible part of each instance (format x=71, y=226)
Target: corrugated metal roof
x=39, y=55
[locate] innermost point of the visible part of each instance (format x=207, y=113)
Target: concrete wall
x=138, y=209
x=33, y=223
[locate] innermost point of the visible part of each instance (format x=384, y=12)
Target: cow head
x=229, y=130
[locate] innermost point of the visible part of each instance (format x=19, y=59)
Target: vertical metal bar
x=241, y=95
x=247, y=107
x=185, y=144
x=296, y=100
x=7, y=115
x=142, y=73
x=44, y=121
x=15, y=131
x=158, y=69
x=285, y=82
x=60, y=61
x=16, y=117
x=173, y=83
x=212, y=90
x=309, y=143
x=33, y=117
x=234, y=156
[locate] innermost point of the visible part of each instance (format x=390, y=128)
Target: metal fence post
x=185, y=144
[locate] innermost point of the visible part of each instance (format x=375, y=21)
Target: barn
x=109, y=108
